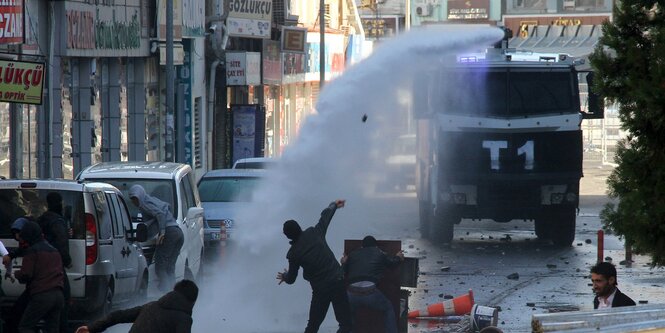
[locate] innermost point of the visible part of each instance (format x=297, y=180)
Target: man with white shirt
x=604, y=279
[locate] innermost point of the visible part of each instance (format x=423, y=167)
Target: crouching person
x=172, y=313
x=42, y=273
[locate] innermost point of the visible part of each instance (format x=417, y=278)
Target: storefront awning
x=577, y=41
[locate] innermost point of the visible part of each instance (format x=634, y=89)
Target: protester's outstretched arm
x=115, y=317
x=327, y=215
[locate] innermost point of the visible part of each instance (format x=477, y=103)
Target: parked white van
x=173, y=183
x=108, y=266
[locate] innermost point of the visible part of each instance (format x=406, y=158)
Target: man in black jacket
x=172, y=313
x=604, y=280
x=41, y=271
x=310, y=251
x=56, y=232
x=364, y=267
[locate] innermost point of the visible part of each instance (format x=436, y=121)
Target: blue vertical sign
x=185, y=78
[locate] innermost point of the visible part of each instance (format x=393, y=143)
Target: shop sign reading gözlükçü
x=21, y=81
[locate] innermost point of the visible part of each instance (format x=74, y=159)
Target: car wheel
x=188, y=272
x=142, y=293
x=108, y=301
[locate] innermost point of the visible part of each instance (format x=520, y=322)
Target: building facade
x=103, y=99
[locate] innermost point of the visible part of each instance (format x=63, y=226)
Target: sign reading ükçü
x=11, y=22
x=21, y=82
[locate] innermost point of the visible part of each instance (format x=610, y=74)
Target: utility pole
x=170, y=85
x=322, y=48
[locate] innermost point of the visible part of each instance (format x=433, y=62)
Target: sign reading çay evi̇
x=21, y=81
x=243, y=68
x=249, y=18
x=11, y=22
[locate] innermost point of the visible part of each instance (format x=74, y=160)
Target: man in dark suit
x=604, y=279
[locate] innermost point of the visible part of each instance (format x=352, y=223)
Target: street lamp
x=322, y=42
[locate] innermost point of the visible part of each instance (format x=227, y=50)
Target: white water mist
x=336, y=156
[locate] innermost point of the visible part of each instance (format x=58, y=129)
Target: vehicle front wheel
x=542, y=228
x=442, y=227
x=562, y=229
x=425, y=218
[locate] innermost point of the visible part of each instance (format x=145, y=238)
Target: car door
x=194, y=222
x=136, y=264
x=125, y=274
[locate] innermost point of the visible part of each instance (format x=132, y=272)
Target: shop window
x=587, y=5
x=530, y=4
x=123, y=110
x=152, y=117
x=29, y=138
x=66, y=107
x=96, y=109
x=4, y=140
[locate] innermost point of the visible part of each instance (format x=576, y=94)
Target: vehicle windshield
x=15, y=203
x=508, y=92
x=253, y=165
x=162, y=189
x=228, y=189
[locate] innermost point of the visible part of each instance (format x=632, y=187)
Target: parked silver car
x=108, y=265
x=172, y=183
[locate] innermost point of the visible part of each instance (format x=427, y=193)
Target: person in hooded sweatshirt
x=41, y=272
x=170, y=238
x=310, y=251
x=17, y=309
x=172, y=313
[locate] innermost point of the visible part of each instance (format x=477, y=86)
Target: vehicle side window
x=189, y=193
x=124, y=214
x=118, y=229
x=195, y=190
x=183, y=197
x=103, y=215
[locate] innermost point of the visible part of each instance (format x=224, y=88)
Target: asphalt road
x=551, y=279
x=485, y=253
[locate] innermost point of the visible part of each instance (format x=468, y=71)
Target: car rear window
x=15, y=203
x=228, y=189
x=162, y=189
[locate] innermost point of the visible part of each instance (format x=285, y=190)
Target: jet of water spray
x=334, y=157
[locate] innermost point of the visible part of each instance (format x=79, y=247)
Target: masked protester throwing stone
x=310, y=251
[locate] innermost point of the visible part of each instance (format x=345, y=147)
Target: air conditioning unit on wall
x=424, y=9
